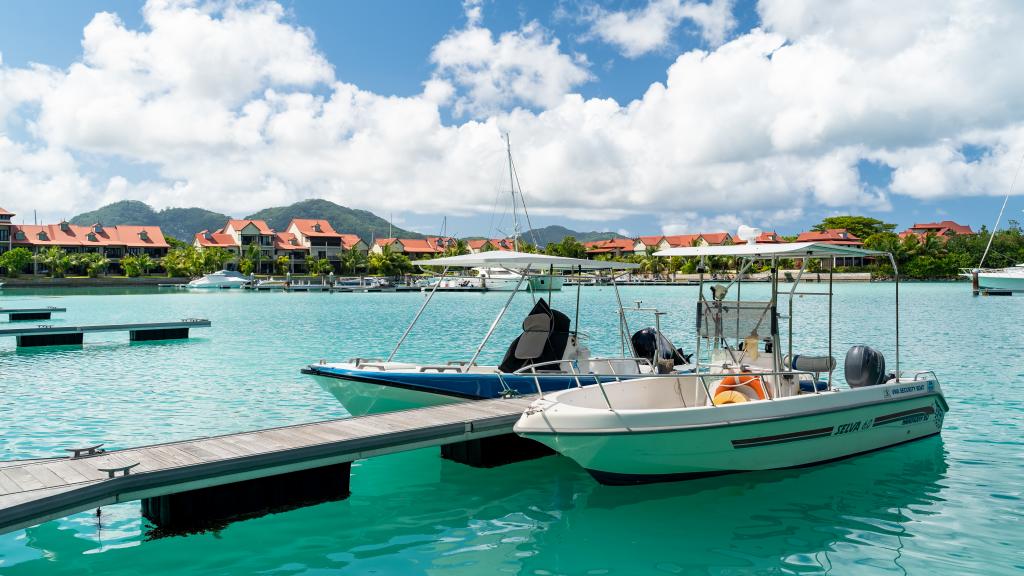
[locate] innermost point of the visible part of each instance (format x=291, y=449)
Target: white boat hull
x=632, y=446
x=545, y=282
x=362, y=398
x=1002, y=281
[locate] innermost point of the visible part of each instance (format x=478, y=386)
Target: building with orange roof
x=323, y=241
x=113, y=242
x=837, y=236
x=715, y=239
x=944, y=230
x=641, y=244
x=768, y=238
x=5, y=230
x=415, y=247
x=614, y=247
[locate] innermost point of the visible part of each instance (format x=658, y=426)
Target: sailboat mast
x=512, y=188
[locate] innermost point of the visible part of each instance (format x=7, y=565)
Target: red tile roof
x=259, y=224
x=610, y=245
x=349, y=240
x=5, y=212
x=681, y=240
x=65, y=234
x=837, y=236
x=384, y=241
x=287, y=241
x=315, y=228
x=650, y=240
x=944, y=228
x=207, y=238
x=716, y=238
x=769, y=238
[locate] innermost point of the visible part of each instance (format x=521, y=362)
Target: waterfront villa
x=944, y=230
x=303, y=237
x=839, y=237
x=113, y=242
x=616, y=247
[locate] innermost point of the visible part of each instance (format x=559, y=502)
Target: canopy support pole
x=896, y=276
x=417, y=317
x=830, y=270
x=623, y=324
x=803, y=267
x=501, y=313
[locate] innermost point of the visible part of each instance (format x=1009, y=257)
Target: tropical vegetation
x=15, y=260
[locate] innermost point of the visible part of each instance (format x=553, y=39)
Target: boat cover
x=544, y=338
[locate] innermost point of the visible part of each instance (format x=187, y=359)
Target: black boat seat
x=531, y=344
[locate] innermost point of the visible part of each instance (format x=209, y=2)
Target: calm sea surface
x=950, y=504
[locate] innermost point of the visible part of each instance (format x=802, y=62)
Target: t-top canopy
x=520, y=260
x=767, y=251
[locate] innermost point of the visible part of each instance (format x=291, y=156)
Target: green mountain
x=552, y=234
x=364, y=224
x=181, y=223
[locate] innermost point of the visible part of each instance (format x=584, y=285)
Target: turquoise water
x=949, y=504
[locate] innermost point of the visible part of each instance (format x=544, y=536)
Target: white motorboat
x=222, y=279
x=550, y=353
x=753, y=408
x=1010, y=278
x=501, y=279
x=271, y=284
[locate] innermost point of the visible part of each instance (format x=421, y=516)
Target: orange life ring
x=729, y=397
x=754, y=382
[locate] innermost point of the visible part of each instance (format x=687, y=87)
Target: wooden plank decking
x=48, y=330
x=33, y=491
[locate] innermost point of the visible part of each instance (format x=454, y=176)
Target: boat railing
x=573, y=369
x=703, y=376
x=924, y=375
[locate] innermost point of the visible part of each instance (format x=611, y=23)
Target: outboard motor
x=649, y=342
x=865, y=366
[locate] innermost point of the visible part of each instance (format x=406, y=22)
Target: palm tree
x=353, y=260
x=56, y=261
x=281, y=264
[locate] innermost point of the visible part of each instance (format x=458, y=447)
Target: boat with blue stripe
x=547, y=356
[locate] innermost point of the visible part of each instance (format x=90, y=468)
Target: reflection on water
x=939, y=505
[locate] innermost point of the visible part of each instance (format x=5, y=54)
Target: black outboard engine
x=649, y=342
x=865, y=366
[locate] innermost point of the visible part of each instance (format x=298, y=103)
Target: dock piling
x=218, y=505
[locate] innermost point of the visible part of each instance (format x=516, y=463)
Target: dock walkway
x=15, y=314
x=48, y=335
x=34, y=491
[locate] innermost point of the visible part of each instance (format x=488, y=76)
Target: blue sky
x=932, y=160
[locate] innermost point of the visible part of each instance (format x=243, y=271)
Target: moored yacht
x=550, y=353
x=754, y=408
x=221, y=279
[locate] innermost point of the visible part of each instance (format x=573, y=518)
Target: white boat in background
x=501, y=279
x=749, y=407
x=271, y=284
x=222, y=279
x=1009, y=279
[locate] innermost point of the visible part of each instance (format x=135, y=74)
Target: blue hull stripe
x=472, y=386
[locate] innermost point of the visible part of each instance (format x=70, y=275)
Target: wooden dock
x=16, y=314
x=174, y=479
x=47, y=335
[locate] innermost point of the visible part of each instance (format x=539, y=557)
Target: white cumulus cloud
x=642, y=30
x=232, y=107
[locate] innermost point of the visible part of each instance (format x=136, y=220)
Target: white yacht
x=746, y=406
x=1010, y=278
x=501, y=279
x=221, y=279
